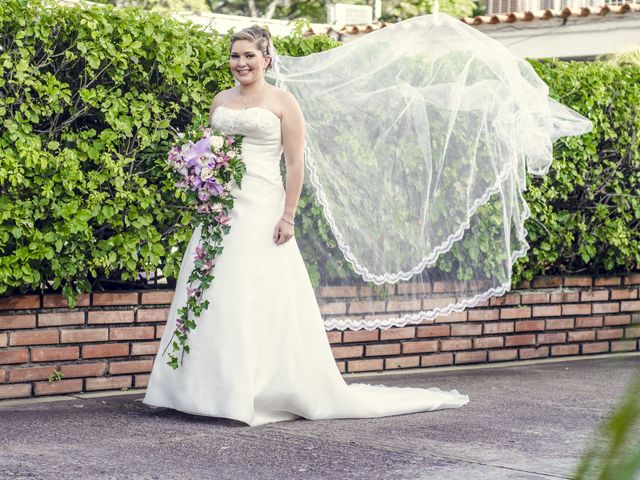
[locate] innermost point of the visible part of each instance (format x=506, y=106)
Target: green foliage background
x=90, y=98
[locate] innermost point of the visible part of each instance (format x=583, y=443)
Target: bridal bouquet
x=207, y=163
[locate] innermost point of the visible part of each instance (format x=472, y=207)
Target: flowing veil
x=419, y=138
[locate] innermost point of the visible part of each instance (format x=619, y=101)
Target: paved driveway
x=523, y=422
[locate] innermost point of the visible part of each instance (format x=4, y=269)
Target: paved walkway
x=523, y=422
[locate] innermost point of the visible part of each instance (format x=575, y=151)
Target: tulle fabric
x=419, y=138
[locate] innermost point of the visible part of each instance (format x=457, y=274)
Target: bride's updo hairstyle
x=261, y=38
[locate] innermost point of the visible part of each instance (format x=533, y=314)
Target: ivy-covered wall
x=90, y=99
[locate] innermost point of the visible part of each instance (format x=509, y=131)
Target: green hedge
x=89, y=99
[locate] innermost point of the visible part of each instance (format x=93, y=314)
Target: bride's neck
x=252, y=89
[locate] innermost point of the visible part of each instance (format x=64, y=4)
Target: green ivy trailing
x=90, y=98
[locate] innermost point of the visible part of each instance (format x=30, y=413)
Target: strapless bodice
x=262, y=142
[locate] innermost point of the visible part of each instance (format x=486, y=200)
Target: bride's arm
x=292, y=124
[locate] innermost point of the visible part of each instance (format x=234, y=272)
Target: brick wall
x=109, y=340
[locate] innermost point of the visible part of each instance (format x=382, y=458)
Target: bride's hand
x=283, y=232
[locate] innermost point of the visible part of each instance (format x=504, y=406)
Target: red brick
x=617, y=320
x=133, y=366
x=437, y=302
x=157, y=297
x=609, y=333
x=481, y=315
x=22, y=302
x=559, y=350
x=434, y=331
x=524, y=285
x=334, y=336
x=564, y=297
x=4, y=340
x=455, y=344
x=529, y=325
x=108, y=383
x=576, y=309
x=517, y=312
x=366, y=307
x=159, y=330
x=28, y=374
x=420, y=347
x=379, y=291
x=15, y=391
x=62, y=318
x=581, y=336
x=534, y=297
x=57, y=387
x=383, y=349
x=145, y=348
x=452, y=317
x=141, y=381
x=606, y=307
x=52, y=354
x=630, y=306
x=347, y=352
x=115, y=298
x=607, y=281
x=600, y=347
x=624, y=294
x=369, y=365
x=11, y=322
x=131, y=333
x=105, y=350
x=547, y=311
x=578, y=281
x=559, y=323
x=333, y=308
x=14, y=355
x=413, y=288
x=466, y=329
x=404, y=305
x=632, y=332
x=588, y=322
x=517, y=340
x=546, y=282
x=152, y=314
x=499, y=327
x=488, y=342
x=623, y=346
x=350, y=336
x=558, y=337
x=341, y=367
x=443, y=287
x=398, y=333
x=339, y=291
x=508, y=299
x=529, y=353
x=84, y=335
x=503, y=355
x=633, y=279
x=60, y=301
x=84, y=370
x=111, y=316
x=402, y=362
x=34, y=337
x=471, y=357
x=437, y=359
x=594, y=296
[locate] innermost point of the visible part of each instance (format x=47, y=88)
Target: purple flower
x=201, y=254
x=206, y=266
x=202, y=148
x=204, y=195
x=193, y=292
x=214, y=187
x=222, y=219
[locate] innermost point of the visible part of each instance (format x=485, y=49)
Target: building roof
x=545, y=15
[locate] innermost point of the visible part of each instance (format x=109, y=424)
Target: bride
x=260, y=353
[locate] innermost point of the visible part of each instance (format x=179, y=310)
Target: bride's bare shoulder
x=288, y=103
x=219, y=98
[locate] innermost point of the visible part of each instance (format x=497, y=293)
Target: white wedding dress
x=260, y=353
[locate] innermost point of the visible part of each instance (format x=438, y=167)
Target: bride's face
x=247, y=62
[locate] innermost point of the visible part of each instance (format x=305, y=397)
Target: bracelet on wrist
x=290, y=222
